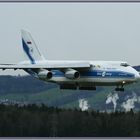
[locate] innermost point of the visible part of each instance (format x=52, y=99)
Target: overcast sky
x=72, y=31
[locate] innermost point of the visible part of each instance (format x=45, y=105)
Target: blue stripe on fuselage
x=98, y=74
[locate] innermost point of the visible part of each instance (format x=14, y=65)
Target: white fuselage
x=101, y=73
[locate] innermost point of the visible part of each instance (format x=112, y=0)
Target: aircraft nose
x=137, y=76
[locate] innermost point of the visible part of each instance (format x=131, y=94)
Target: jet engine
x=72, y=74
x=45, y=74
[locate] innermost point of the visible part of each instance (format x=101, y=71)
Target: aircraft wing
x=78, y=65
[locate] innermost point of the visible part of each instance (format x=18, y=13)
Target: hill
x=27, y=89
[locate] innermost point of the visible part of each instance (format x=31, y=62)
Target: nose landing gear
x=119, y=88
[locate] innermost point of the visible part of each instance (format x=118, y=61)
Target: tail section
x=30, y=47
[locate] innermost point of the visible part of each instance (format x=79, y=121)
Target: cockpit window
x=125, y=64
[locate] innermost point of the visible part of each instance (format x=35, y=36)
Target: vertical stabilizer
x=30, y=47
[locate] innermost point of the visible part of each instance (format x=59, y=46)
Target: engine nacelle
x=72, y=74
x=45, y=74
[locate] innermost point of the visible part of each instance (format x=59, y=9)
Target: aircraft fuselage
x=101, y=73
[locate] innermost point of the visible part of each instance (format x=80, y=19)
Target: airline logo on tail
x=29, y=42
x=29, y=50
x=30, y=47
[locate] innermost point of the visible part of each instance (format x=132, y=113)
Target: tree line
x=43, y=121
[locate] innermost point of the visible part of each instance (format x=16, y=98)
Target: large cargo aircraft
x=83, y=75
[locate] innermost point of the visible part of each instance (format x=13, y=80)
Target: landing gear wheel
x=119, y=88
